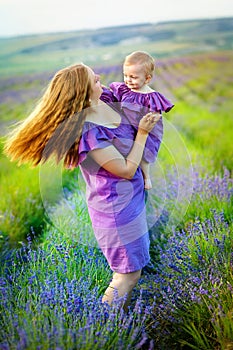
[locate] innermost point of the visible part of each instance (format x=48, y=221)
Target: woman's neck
x=102, y=114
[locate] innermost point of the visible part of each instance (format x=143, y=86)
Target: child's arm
x=108, y=95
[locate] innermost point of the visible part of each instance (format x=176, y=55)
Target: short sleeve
x=107, y=95
x=159, y=102
x=119, y=90
x=93, y=137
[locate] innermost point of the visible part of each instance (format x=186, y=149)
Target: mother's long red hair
x=55, y=125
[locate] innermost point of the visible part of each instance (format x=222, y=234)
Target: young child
x=138, y=97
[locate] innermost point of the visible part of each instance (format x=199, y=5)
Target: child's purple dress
x=116, y=206
x=139, y=104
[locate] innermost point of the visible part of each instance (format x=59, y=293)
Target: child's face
x=134, y=76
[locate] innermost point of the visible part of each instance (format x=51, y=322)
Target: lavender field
x=52, y=272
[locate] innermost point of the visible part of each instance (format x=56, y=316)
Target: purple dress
x=139, y=104
x=116, y=206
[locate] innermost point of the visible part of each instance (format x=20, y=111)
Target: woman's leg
x=123, y=283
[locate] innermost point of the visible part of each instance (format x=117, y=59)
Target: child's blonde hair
x=143, y=58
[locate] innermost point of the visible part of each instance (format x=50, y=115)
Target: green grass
x=207, y=135
x=22, y=210
x=20, y=203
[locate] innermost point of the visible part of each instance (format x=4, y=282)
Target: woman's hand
x=147, y=122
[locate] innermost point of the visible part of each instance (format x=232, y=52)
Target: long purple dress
x=116, y=206
x=138, y=104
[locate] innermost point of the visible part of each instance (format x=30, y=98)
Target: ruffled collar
x=153, y=99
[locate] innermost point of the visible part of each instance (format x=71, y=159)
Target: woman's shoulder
x=94, y=136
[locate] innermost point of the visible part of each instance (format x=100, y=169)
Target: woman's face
x=96, y=89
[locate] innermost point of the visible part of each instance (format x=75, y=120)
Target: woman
x=72, y=123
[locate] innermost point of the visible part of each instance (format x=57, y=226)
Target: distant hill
x=109, y=45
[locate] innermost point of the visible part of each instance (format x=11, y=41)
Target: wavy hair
x=54, y=127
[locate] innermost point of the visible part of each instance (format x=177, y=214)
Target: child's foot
x=147, y=184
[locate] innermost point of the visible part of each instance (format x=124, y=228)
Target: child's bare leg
x=146, y=173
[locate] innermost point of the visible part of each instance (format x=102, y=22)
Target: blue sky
x=19, y=17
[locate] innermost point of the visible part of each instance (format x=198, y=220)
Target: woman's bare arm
x=111, y=160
